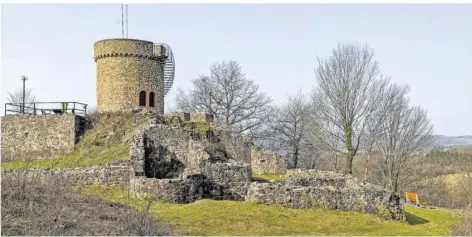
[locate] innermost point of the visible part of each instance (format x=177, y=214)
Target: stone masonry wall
x=124, y=68
x=113, y=173
x=238, y=147
x=266, y=162
x=169, y=164
x=195, y=117
x=174, y=140
x=329, y=190
x=38, y=137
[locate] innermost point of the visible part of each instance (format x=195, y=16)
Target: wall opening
x=142, y=98
x=151, y=99
x=160, y=163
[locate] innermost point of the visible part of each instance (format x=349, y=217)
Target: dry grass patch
x=35, y=207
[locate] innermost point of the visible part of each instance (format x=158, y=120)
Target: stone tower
x=130, y=75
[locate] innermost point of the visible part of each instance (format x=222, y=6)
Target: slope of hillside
x=209, y=217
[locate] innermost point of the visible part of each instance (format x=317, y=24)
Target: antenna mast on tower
x=126, y=21
x=122, y=23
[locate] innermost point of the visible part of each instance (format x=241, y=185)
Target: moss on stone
x=306, y=199
x=362, y=205
x=384, y=212
x=320, y=203
x=267, y=178
x=195, y=126
x=172, y=120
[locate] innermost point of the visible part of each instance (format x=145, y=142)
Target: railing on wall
x=45, y=108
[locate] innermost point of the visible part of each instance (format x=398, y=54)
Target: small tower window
x=151, y=99
x=142, y=98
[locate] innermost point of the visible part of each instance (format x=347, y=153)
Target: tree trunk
x=349, y=159
x=336, y=162
x=366, y=165
x=295, y=158
x=350, y=151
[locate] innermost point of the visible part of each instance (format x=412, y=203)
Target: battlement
x=128, y=48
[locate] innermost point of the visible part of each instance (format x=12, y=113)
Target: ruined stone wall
x=190, y=169
x=124, y=68
x=183, y=147
x=38, y=137
x=267, y=162
x=194, y=117
x=329, y=190
x=113, y=173
x=184, y=189
x=238, y=147
x=173, y=140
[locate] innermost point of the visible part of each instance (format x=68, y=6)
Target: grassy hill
x=104, y=143
x=209, y=217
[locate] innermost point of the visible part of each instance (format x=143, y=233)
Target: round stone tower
x=130, y=75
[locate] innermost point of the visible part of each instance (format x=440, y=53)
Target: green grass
x=267, y=177
x=94, y=156
x=209, y=217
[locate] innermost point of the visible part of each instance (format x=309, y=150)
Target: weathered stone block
x=266, y=162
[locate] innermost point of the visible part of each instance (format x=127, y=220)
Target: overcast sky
x=427, y=46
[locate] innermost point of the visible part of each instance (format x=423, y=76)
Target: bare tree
x=289, y=125
x=374, y=124
x=406, y=131
x=17, y=98
x=346, y=97
x=328, y=147
x=310, y=147
x=235, y=100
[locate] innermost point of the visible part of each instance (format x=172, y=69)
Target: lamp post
x=24, y=78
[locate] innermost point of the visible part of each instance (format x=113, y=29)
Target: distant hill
x=453, y=141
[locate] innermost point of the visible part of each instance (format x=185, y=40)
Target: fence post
x=34, y=109
x=73, y=109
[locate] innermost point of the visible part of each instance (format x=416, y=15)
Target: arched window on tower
x=142, y=98
x=151, y=99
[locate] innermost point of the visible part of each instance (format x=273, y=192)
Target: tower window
x=142, y=98
x=151, y=99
